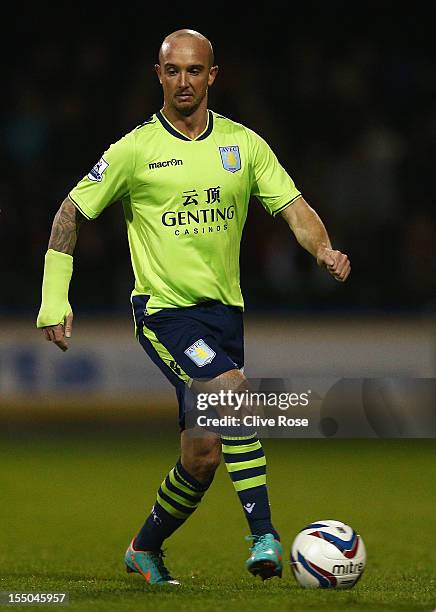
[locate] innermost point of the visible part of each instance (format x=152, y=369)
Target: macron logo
x=249, y=507
x=165, y=164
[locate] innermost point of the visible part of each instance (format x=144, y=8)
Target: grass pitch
x=71, y=503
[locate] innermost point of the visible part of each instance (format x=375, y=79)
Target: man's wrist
x=58, y=269
x=322, y=248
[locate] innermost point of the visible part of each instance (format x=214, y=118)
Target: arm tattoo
x=65, y=228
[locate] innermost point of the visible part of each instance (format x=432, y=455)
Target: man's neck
x=192, y=125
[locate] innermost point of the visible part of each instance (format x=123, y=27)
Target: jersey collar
x=175, y=132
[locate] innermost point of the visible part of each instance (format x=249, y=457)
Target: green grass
x=70, y=505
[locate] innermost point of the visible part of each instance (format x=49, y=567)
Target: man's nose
x=183, y=79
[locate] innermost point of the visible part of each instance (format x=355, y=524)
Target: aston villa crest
x=231, y=158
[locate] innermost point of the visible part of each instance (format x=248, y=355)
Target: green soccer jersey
x=185, y=204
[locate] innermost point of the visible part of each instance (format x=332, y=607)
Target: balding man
x=185, y=177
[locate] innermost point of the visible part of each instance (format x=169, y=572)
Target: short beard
x=187, y=111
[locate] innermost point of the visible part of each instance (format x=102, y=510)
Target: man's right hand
x=58, y=333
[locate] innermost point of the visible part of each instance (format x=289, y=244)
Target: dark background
x=346, y=100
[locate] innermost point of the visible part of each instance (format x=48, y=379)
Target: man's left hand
x=335, y=262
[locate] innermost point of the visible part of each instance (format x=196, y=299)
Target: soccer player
x=185, y=177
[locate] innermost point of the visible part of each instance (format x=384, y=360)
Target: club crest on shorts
x=230, y=157
x=200, y=353
x=96, y=173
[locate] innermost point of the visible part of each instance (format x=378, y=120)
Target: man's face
x=185, y=74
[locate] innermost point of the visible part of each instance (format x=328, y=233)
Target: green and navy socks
x=180, y=494
x=246, y=464
x=177, y=498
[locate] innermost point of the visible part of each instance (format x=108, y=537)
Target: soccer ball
x=328, y=554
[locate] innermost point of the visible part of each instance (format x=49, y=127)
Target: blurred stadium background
x=349, y=107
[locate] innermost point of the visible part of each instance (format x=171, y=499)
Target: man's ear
x=158, y=72
x=213, y=71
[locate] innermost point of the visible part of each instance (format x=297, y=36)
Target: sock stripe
x=181, y=479
x=175, y=503
x=176, y=509
x=244, y=474
x=175, y=481
x=188, y=480
x=232, y=458
x=237, y=441
x=241, y=448
x=248, y=483
x=245, y=465
x=179, y=491
x=178, y=498
x=170, y=509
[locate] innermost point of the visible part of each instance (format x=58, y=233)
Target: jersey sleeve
x=108, y=181
x=271, y=184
